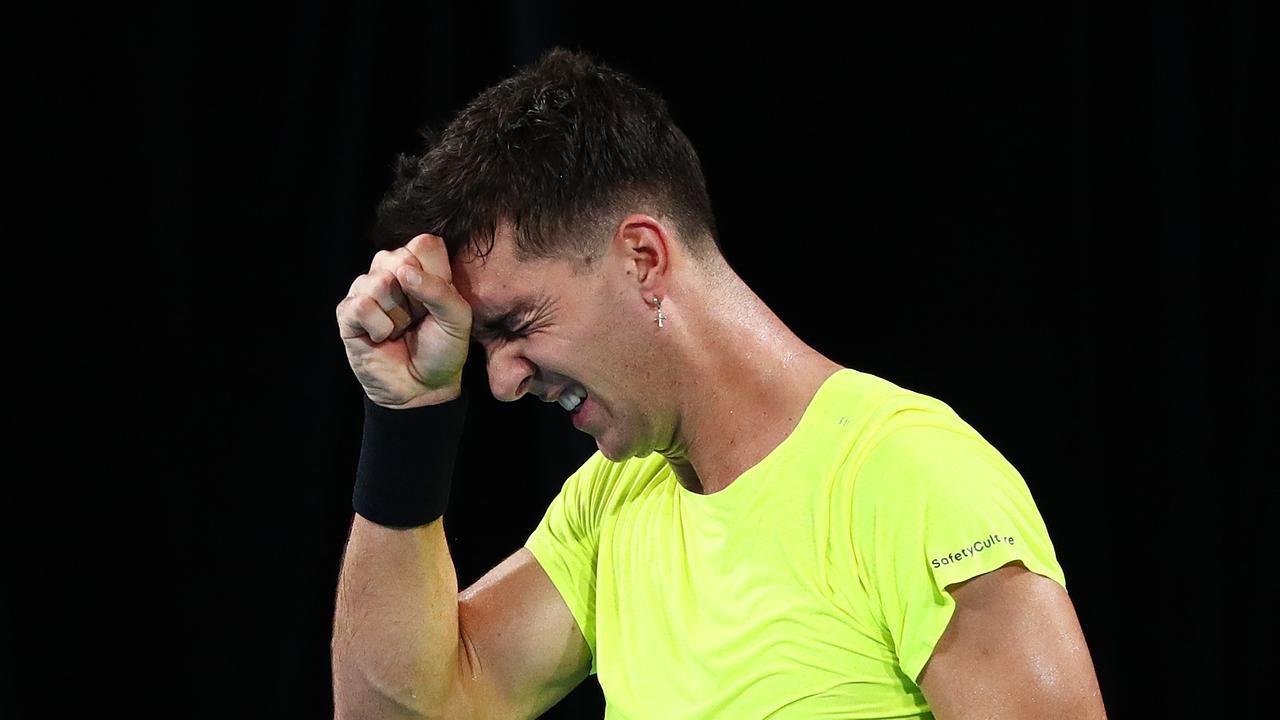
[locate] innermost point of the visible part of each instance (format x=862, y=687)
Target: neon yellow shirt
x=813, y=585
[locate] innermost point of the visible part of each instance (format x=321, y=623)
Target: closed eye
x=518, y=332
x=526, y=315
x=501, y=334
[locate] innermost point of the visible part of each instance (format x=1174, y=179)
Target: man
x=762, y=532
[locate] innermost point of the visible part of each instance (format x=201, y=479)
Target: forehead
x=497, y=286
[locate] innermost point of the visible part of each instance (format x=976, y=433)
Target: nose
x=510, y=373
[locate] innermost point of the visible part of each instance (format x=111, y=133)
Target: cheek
x=613, y=346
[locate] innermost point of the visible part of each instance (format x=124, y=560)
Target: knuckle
x=406, y=257
x=365, y=307
x=388, y=260
x=384, y=283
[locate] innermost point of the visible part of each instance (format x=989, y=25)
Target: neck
x=745, y=381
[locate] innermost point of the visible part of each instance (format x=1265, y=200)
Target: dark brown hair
x=562, y=150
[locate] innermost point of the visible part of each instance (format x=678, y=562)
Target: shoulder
x=876, y=410
x=933, y=446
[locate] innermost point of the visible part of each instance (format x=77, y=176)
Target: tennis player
x=762, y=532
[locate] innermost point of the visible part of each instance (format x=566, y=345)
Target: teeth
x=570, y=400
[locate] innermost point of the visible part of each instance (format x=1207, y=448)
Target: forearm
x=395, y=637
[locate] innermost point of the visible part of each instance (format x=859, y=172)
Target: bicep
x=1013, y=648
x=521, y=649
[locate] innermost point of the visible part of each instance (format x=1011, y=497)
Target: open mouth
x=573, y=400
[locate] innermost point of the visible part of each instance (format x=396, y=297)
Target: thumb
x=440, y=297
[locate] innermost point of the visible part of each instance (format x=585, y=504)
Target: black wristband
x=406, y=462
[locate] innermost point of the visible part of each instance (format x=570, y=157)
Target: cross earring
x=658, y=304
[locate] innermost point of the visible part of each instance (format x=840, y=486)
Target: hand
x=407, y=342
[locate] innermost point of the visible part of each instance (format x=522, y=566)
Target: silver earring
x=658, y=304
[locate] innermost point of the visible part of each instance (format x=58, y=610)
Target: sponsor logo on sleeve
x=971, y=550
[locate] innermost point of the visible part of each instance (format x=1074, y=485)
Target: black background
x=1058, y=219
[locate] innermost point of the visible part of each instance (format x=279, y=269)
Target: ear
x=646, y=249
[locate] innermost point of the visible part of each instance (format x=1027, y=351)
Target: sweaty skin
x=714, y=390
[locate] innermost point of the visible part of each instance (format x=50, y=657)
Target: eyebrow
x=488, y=324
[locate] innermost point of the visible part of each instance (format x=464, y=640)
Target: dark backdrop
x=1060, y=220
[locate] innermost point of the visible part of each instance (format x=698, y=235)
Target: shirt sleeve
x=566, y=544
x=934, y=506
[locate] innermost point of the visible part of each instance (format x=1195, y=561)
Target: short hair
x=560, y=150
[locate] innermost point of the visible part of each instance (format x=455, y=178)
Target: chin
x=613, y=453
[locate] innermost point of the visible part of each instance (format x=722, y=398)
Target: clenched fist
x=405, y=328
